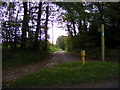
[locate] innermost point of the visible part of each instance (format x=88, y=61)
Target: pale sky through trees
x=56, y=33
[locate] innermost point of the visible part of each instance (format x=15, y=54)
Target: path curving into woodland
x=12, y=73
x=57, y=57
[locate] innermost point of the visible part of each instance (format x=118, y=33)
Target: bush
x=21, y=57
x=95, y=53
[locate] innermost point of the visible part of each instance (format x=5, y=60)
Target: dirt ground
x=12, y=73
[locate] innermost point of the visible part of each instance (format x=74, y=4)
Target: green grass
x=53, y=49
x=21, y=57
x=67, y=73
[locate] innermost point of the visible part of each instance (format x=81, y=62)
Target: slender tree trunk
x=16, y=28
x=46, y=28
x=40, y=19
x=36, y=42
x=30, y=33
x=9, y=31
x=15, y=41
x=79, y=27
x=85, y=26
x=74, y=28
x=25, y=26
x=69, y=31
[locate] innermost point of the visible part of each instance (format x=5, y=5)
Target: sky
x=56, y=33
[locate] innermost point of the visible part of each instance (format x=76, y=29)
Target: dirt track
x=12, y=73
x=57, y=57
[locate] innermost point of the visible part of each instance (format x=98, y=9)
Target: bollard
x=83, y=56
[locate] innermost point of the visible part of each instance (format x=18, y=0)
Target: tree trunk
x=46, y=28
x=25, y=26
x=74, y=27
x=85, y=29
x=30, y=32
x=16, y=28
x=36, y=42
x=69, y=31
x=10, y=31
x=15, y=31
x=79, y=27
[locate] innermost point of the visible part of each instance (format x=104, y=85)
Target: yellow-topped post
x=83, y=56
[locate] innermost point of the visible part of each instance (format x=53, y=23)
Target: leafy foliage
x=25, y=25
x=88, y=17
x=21, y=57
x=60, y=43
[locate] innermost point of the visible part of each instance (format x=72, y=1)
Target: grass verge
x=111, y=55
x=73, y=72
x=21, y=57
x=53, y=49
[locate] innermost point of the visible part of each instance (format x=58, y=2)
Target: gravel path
x=12, y=73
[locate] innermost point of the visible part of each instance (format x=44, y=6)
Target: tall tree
x=36, y=42
x=46, y=26
x=24, y=26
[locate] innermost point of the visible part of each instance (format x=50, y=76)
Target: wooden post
x=102, y=43
x=83, y=56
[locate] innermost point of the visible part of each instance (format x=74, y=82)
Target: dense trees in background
x=84, y=19
x=61, y=42
x=25, y=24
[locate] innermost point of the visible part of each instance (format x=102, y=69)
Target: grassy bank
x=111, y=55
x=66, y=73
x=53, y=49
x=21, y=57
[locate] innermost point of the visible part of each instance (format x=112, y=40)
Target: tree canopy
x=26, y=24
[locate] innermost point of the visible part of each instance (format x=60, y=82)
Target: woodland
x=25, y=26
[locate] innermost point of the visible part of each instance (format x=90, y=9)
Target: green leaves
x=61, y=42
